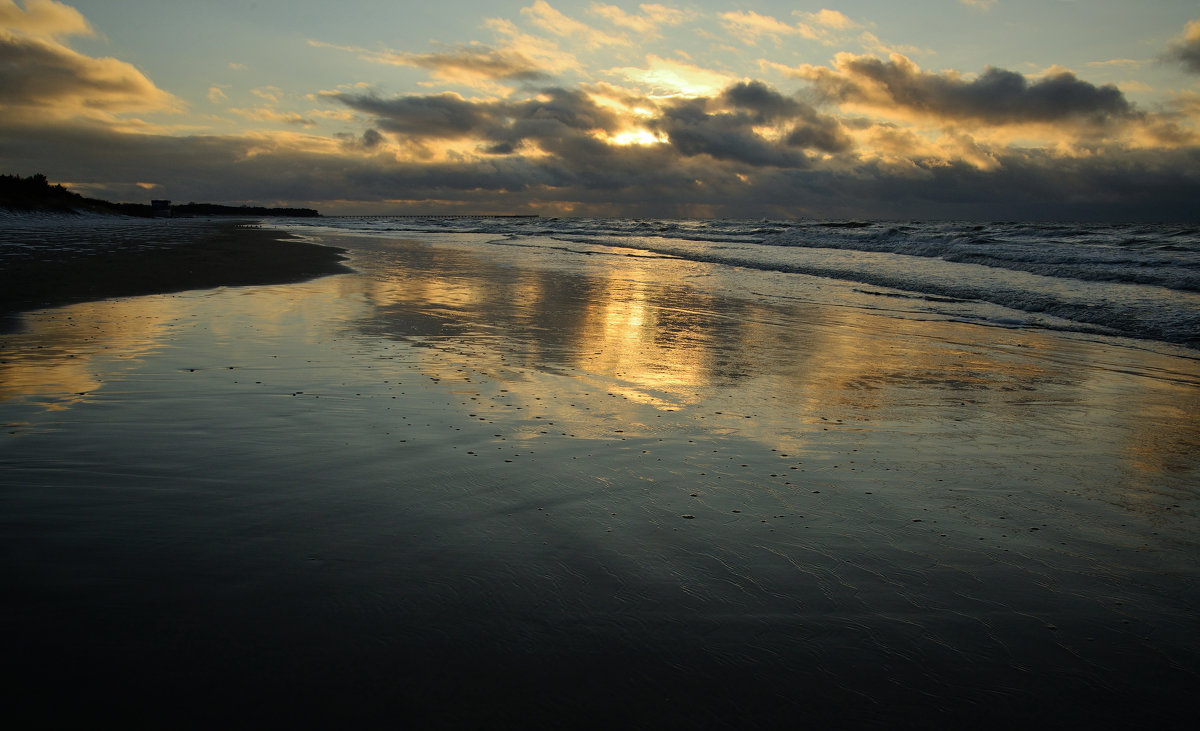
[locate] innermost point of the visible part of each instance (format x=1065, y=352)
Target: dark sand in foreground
x=222, y=253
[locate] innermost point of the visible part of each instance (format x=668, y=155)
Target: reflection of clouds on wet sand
x=62, y=355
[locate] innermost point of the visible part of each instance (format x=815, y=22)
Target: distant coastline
x=35, y=193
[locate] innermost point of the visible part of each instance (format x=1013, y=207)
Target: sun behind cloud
x=597, y=107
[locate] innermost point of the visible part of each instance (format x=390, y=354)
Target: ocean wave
x=1135, y=280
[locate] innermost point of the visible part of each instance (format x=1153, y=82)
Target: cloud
x=446, y=115
x=545, y=53
x=44, y=18
x=370, y=139
x=272, y=94
x=748, y=26
x=262, y=114
x=1187, y=50
x=478, y=62
x=752, y=124
x=41, y=74
x=693, y=131
x=809, y=129
x=547, y=18
x=827, y=19
x=543, y=123
x=652, y=18
x=748, y=122
x=665, y=77
x=869, y=135
x=467, y=64
x=591, y=178
x=995, y=97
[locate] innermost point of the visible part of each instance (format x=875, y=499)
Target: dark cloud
x=767, y=104
x=447, y=116
x=1187, y=51
x=723, y=128
x=368, y=140
x=503, y=126
x=996, y=97
x=692, y=130
x=371, y=138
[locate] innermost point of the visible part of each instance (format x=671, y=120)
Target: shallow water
x=468, y=486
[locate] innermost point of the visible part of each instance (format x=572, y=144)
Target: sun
x=636, y=137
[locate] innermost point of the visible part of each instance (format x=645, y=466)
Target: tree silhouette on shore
x=35, y=193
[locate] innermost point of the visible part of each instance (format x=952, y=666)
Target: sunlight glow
x=637, y=137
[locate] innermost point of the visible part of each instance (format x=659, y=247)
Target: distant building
x=160, y=208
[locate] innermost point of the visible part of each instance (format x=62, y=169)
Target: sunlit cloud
x=263, y=114
x=663, y=77
x=749, y=26
x=827, y=18
x=637, y=137
x=44, y=18
x=271, y=94
x=470, y=65
x=548, y=19
x=41, y=76
x=647, y=23
x=1118, y=63
x=822, y=26
x=873, y=45
x=216, y=94
x=38, y=73
x=996, y=97
x=545, y=53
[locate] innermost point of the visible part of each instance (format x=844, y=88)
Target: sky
x=924, y=109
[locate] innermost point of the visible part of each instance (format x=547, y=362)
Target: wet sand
x=124, y=257
x=460, y=488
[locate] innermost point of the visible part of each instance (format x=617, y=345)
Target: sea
x=1138, y=281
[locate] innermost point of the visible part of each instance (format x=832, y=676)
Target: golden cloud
x=44, y=79
x=652, y=17
x=44, y=18
x=43, y=75
x=547, y=18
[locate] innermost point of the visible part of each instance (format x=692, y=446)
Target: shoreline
x=222, y=254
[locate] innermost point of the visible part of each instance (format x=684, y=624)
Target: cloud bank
x=542, y=118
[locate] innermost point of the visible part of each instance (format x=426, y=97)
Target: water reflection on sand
x=62, y=355
x=637, y=326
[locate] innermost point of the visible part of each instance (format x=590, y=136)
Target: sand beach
x=442, y=484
